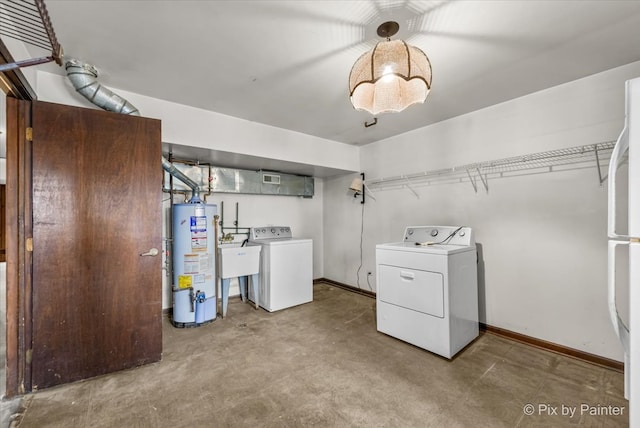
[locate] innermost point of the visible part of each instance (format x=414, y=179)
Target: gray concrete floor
x=324, y=364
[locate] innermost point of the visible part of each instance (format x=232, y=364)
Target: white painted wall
x=542, y=238
x=199, y=128
x=190, y=126
x=304, y=216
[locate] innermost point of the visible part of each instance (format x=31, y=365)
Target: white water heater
x=194, y=264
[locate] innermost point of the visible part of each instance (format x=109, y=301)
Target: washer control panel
x=270, y=232
x=443, y=235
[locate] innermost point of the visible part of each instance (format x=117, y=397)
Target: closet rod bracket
x=601, y=178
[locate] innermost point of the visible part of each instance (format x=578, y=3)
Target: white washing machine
x=286, y=268
x=428, y=288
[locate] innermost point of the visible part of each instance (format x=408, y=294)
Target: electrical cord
x=360, y=267
x=361, y=233
x=444, y=241
x=451, y=235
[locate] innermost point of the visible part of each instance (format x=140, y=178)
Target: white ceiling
x=286, y=63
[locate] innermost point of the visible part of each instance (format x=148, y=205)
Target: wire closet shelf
x=28, y=21
x=572, y=158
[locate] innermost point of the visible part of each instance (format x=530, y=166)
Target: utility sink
x=236, y=260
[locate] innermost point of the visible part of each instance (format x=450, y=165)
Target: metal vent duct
x=241, y=181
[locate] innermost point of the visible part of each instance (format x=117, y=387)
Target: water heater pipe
x=175, y=172
x=84, y=78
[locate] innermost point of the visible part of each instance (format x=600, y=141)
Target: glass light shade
x=389, y=78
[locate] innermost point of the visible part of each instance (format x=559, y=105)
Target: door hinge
x=29, y=134
x=29, y=245
x=29, y=356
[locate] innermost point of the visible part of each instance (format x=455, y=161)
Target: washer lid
x=426, y=249
x=280, y=241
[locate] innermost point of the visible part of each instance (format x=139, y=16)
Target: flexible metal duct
x=84, y=78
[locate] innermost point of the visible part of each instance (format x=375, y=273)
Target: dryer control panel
x=444, y=235
x=270, y=232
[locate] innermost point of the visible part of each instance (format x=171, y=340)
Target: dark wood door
x=97, y=181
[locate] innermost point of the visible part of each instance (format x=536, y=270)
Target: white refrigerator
x=627, y=234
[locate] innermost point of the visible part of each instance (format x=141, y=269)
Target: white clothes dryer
x=286, y=268
x=428, y=288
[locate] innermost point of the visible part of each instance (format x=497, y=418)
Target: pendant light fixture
x=390, y=77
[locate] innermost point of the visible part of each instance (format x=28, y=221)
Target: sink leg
x=242, y=282
x=255, y=282
x=225, y=296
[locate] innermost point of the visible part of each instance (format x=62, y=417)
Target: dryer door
x=414, y=289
